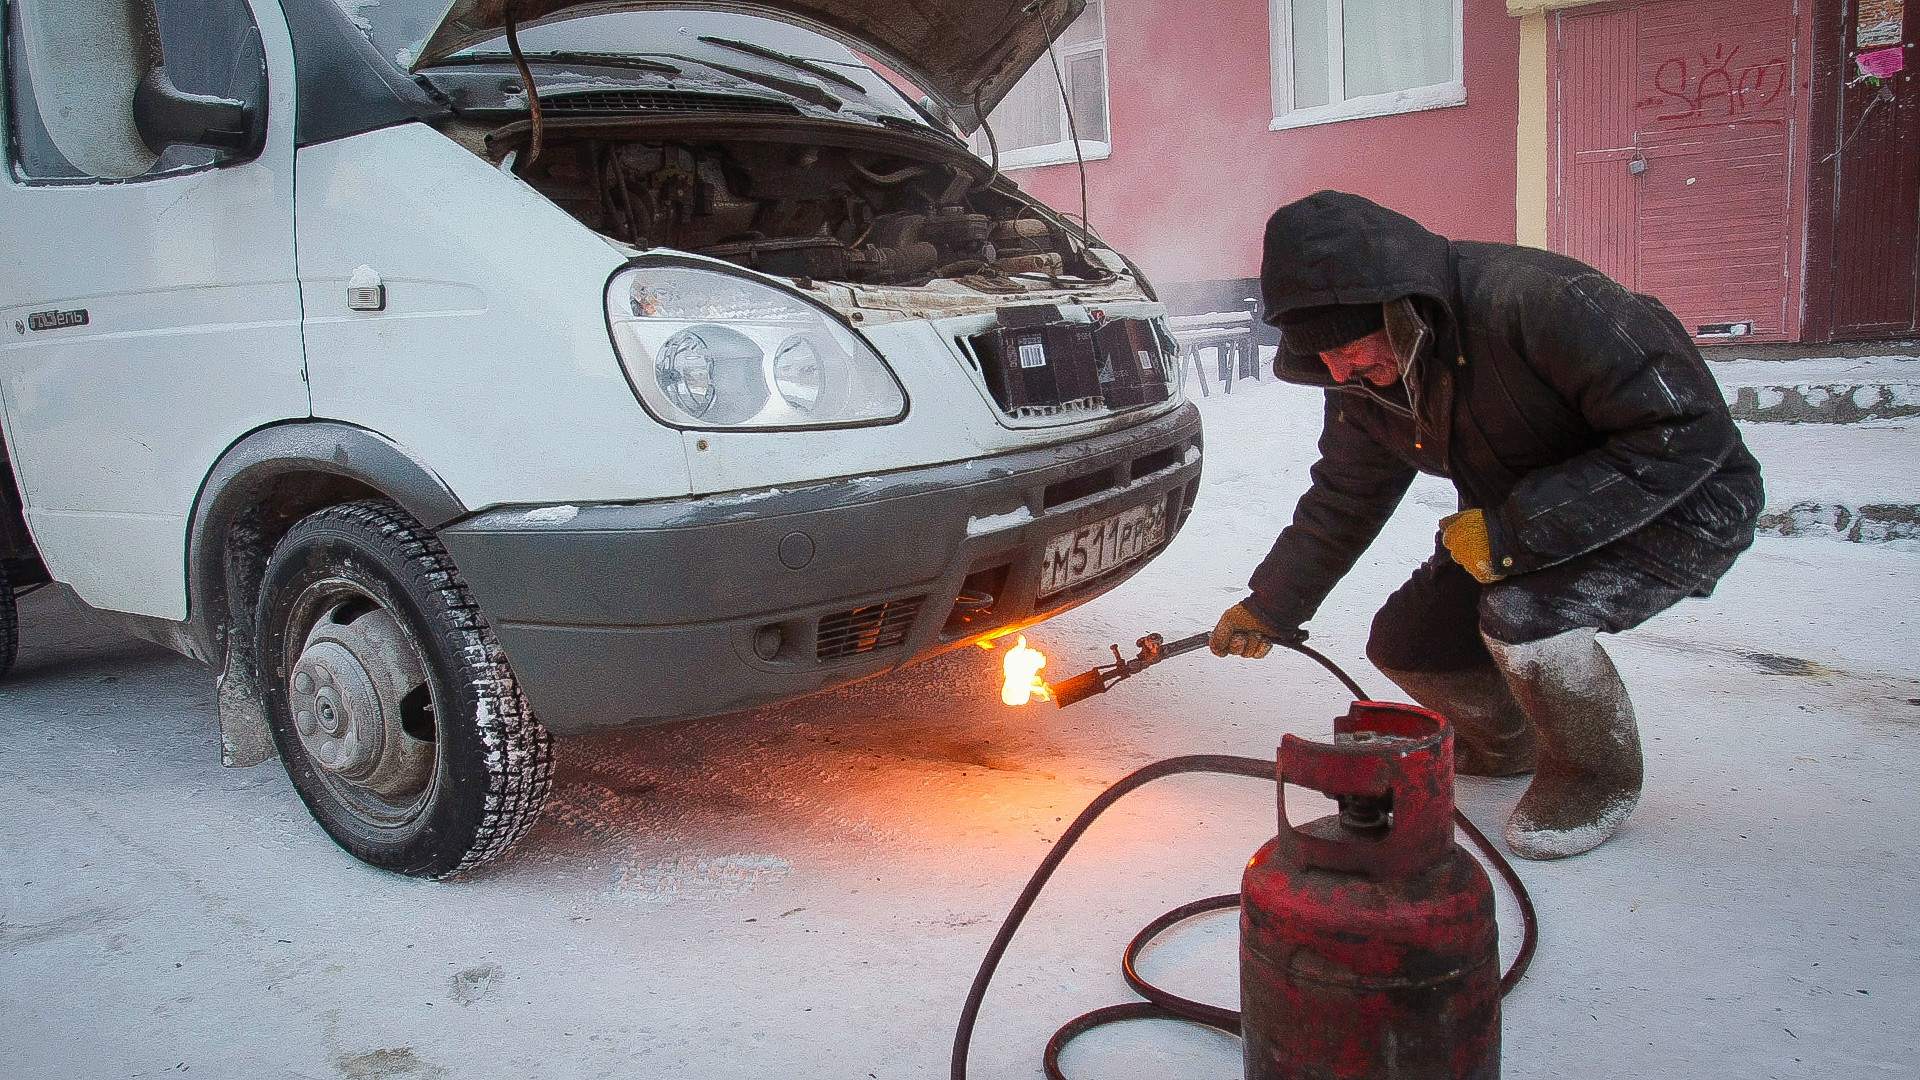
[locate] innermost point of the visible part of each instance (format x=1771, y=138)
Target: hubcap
x=360, y=704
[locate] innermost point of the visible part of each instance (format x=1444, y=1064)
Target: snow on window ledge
x=1419, y=99
x=1060, y=153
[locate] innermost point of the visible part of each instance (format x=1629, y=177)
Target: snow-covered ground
x=804, y=891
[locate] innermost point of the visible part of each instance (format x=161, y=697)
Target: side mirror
x=167, y=116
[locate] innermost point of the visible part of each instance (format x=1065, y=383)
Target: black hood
x=1335, y=248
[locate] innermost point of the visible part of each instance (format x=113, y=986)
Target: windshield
x=396, y=27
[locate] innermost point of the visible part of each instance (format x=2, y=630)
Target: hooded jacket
x=1573, y=413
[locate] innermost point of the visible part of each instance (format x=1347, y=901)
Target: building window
x=1031, y=123
x=1344, y=59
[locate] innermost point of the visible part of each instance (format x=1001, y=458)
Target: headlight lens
x=1170, y=366
x=713, y=374
x=708, y=349
x=797, y=374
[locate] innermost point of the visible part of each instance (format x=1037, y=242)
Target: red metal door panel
x=1876, y=239
x=1708, y=93
x=1714, y=239
x=1714, y=114
x=1596, y=205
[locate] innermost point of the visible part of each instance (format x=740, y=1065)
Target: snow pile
x=550, y=515
x=992, y=523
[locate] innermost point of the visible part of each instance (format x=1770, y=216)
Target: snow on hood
x=955, y=50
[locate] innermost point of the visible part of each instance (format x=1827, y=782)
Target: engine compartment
x=805, y=207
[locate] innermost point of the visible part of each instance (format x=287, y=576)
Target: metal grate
x=864, y=629
x=622, y=102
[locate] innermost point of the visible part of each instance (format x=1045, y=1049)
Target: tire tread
x=519, y=750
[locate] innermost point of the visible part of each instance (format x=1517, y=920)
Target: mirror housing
x=166, y=115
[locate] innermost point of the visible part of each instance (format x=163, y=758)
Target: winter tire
x=390, y=700
x=9, y=623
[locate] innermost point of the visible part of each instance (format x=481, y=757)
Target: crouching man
x=1600, y=478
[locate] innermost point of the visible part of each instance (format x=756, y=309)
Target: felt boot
x=1590, y=767
x=1491, y=733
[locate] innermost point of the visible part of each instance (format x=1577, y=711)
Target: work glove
x=1242, y=633
x=1465, y=536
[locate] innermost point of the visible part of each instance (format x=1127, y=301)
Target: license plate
x=1098, y=547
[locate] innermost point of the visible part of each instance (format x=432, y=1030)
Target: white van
x=425, y=375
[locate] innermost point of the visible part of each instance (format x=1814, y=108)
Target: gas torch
x=1023, y=682
x=1023, y=665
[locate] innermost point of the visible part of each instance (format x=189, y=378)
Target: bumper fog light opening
x=768, y=641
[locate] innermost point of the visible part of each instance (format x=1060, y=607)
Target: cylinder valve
x=1368, y=947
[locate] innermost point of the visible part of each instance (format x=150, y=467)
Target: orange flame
x=1023, y=683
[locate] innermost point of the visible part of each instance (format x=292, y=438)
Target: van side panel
x=191, y=338
x=491, y=360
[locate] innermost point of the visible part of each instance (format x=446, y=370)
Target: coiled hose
x=1159, y=1004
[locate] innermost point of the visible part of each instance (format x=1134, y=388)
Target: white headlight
x=708, y=349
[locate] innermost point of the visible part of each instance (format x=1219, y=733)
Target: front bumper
x=639, y=613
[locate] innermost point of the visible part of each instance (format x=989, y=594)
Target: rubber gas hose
x=1159, y=1004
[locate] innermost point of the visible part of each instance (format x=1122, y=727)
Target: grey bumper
x=636, y=613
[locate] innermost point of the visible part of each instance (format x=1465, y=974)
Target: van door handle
x=365, y=290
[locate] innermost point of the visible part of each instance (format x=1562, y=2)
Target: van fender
x=266, y=481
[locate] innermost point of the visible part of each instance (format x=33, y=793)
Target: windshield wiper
x=810, y=92
x=808, y=66
x=622, y=60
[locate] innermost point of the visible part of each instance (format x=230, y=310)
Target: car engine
x=808, y=209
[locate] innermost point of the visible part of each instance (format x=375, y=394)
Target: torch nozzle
x=1153, y=649
x=1082, y=686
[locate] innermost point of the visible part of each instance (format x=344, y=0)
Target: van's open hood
x=955, y=50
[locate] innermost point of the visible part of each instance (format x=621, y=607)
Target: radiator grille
x=864, y=629
x=622, y=102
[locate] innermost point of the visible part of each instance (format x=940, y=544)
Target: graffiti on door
x=1721, y=86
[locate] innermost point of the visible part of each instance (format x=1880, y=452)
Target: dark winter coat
x=1574, y=413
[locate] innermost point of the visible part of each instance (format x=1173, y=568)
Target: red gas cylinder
x=1368, y=946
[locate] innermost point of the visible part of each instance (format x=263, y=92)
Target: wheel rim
x=361, y=703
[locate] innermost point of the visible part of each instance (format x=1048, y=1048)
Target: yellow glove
x=1242, y=633
x=1465, y=537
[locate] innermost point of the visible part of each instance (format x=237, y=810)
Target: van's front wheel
x=390, y=700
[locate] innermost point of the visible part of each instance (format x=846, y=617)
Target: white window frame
x=1061, y=153
x=1416, y=99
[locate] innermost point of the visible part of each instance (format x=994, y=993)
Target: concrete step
x=1858, y=482
x=1873, y=523
x=1835, y=390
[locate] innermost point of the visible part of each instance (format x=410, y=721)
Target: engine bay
x=786, y=204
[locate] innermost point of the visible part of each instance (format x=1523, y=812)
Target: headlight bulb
x=797, y=373
x=685, y=372
x=713, y=373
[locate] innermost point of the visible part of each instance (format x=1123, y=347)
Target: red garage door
x=1675, y=136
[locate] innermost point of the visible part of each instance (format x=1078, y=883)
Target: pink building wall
x=1195, y=172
